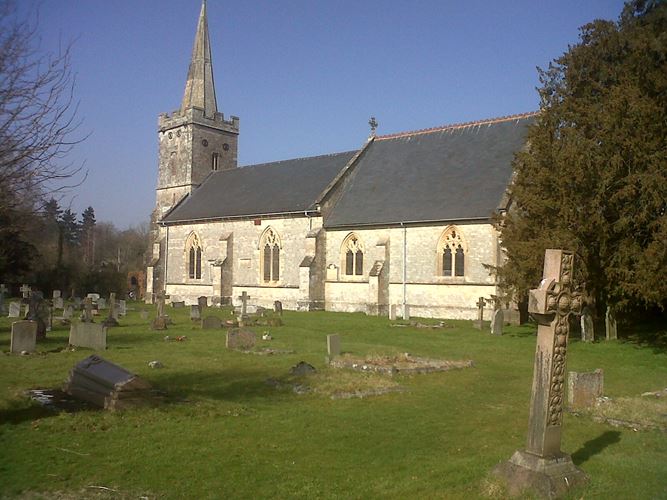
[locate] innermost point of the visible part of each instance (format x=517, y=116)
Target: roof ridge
x=455, y=126
x=295, y=159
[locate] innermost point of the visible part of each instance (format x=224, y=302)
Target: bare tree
x=38, y=113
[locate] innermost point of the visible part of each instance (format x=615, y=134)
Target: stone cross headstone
x=479, y=323
x=3, y=290
x=14, y=309
x=587, y=328
x=333, y=345
x=25, y=290
x=244, y=301
x=278, y=307
x=497, y=322
x=87, y=316
x=160, y=298
x=90, y=335
x=23, y=336
x=112, y=318
x=610, y=324
x=194, y=313
x=542, y=464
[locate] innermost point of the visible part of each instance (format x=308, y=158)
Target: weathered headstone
x=160, y=298
x=211, y=323
x=108, y=385
x=610, y=324
x=143, y=314
x=333, y=345
x=159, y=323
x=122, y=307
x=57, y=294
x=90, y=335
x=244, y=297
x=39, y=311
x=14, y=309
x=87, y=315
x=23, y=336
x=68, y=312
x=278, y=307
x=406, y=312
x=3, y=290
x=112, y=318
x=497, y=322
x=77, y=302
x=58, y=303
x=202, y=302
x=583, y=389
x=178, y=305
x=542, y=466
x=479, y=323
x=239, y=338
x=392, y=312
x=587, y=328
x=94, y=296
x=194, y=313
x=101, y=303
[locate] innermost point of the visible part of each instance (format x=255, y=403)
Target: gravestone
x=90, y=335
x=479, y=322
x=23, y=336
x=333, y=345
x=239, y=338
x=122, y=307
x=160, y=298
x=14, y=309
x=87, y=314
x=68, y=312
x=202, y=302
x=542, y=466
x=101, y=303
x=39, y=311
x=112, y=318
x=392, y=312
x=406, y=312
x=3, y=290
x=143, y=314
x=57, y=294
x=587, y=328
x=159, y=323
x=77, y=302
x=178, y=305
x=610, y=324
x=278, y=307
x=93, y=296
x=244, y=297
x=25, y=291
x=497, y=322
x=58, y=303
x=583, y=389
x=211, y=323
x=194, y=313
x=108, y=385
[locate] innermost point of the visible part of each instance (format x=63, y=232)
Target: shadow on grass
x=595, y=446
x=15, y=416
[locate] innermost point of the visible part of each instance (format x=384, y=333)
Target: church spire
x=199, y=88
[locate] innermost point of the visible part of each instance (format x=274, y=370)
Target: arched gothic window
x=451, y=253
x=353, y=256
x=269, y=247
x=193, y=253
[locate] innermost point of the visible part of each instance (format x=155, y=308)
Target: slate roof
x=457, y=172
x=269, y=188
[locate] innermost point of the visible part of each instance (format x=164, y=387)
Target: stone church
x=403, y=222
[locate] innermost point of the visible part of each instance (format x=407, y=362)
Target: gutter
x=307, y=213
x=403, y=223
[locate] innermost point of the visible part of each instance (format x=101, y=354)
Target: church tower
x=194, y=140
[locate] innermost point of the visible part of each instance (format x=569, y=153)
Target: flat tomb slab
x=403, y=363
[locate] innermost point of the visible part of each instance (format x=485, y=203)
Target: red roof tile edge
x=455, y=126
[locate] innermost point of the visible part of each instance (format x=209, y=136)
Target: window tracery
x=451, y=253
x=270, y=256
x=353, y=256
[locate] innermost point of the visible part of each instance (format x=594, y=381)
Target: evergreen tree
x=594, y=177
x=87, y=235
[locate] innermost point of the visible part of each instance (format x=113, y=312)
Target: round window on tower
x=204, y=143
x=225, y=146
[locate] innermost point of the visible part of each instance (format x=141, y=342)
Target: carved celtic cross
x=551, y=305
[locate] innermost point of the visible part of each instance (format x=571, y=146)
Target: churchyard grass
x=223, y=432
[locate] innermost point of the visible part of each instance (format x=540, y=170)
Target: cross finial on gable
x=374, y=125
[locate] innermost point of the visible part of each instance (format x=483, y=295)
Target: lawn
x=224, y=432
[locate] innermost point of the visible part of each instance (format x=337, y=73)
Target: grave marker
x=392, y=312
x=610, y=324
x=583, y=389
x=333, y=345
x=542, y=466
x=211, y=323
x=278, y=307
x=3, y=290
x=87, y=315
x=194, y=313
x=238, y=338
x=14, y=309
x=112, y=318
x=497, y=322
x=90, y=335
x=479, y=323
x=202, y=302
x=122, y=307
x=23, y=336
x=25, y=290
x=587, y=328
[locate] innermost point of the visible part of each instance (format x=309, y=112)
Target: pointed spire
x=199, y=88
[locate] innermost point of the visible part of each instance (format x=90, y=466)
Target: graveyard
x=239, y=420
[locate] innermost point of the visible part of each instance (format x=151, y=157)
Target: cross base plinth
x=550, y=477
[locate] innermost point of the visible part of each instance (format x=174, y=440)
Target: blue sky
x=303, y=76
